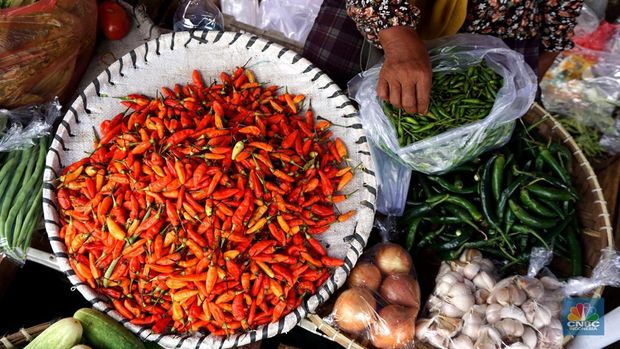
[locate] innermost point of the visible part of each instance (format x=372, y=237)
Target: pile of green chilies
x=457, y=98
x=503, y=203
x=21, y=191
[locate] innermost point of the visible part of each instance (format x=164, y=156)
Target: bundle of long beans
x=21, y=187
x=457, y=98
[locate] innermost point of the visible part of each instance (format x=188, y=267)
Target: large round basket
x=170, y=59
x=593, y=215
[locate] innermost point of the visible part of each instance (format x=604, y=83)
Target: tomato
x=113, y=20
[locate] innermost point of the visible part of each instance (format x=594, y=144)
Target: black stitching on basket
x=141, y=330
x=237, y=36
x=56, y=152
x=97, y=87
x=146, y=51
x=345, y=104
x=54, y=238
x=107, y=71
x=222, y=343
x=280, y=325
x=363, y=152
x=309, y=68
x=348, y=263
x=336, y=94
x=317, y=76
x=236, y=341
x=264, y=332
x=84, y=101
x=61, y=141
x=157, y=46
x=74, y=112
x=67, y=127
x=180, y=343
x=159, y=337
x=253, y=336
x=367, y=204
x=53, y=222
x=267, y=46
x=319, y=295
x=358, y=237
x=218, y=36
x=355, y=126
x=172, y=41
x=297, y=315
x=203, y=40
x=48, y=185
x=51, y=203
x=120, y=66
x=202, y=339
x=52, y=169
x=372, y=190
x=282, y=52
x=304, y=306
x=296, y=58
x=352, y=115
x=124, y=321
x=328, y=85
x=361, y=140
x=368, y=171
x=251, y=42
x=134, y=58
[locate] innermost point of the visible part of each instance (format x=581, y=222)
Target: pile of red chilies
x=197, y=209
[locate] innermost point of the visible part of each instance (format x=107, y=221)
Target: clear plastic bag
x=198, y=14
x=293, y=18
x=585, y=85
x=44, y=47
x=392, y=183
x=23, y=146
x=452, y=148
x=245, y=11
x=382, y=301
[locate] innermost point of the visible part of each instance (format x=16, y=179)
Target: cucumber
x=103, y=332
x=63, y=334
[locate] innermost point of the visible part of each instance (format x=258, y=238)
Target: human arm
x=405, y=78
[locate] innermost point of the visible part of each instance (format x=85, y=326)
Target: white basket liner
x=170, y=59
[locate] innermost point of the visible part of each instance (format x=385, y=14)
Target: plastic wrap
x=245, y=11
x=198, y=14
x=383, y=299
x=392, y=183
x=470, y=307
x=293, y=18
x=20, y=127
x=23, y=144
x=44, y=47
x=452, y=148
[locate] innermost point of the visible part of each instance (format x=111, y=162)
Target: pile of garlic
x=469, y=309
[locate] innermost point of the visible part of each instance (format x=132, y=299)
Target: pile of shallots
x=383, y=300
x=469, y=309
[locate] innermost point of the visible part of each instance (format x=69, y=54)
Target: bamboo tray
x=593, y=215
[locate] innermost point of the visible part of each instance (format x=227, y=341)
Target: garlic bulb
x=484, y=281
x=422, y=328
x=481, y=296
x=447, y=326
x=550, y=338
x=517, y=345
x=509, y=328
x=536, y=314
x=487, y=265
x=517, y=296
x=450, y=310
x=460, y=296
x=532, y=287
x=529, y=337
x=493, y=313
x=488, y=338
x=461, y=342
x=471, y=270
x=471, y=255
x=472, y=330
x=513, y=312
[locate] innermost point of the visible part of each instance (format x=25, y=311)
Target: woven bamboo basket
x=593, y=215
x=22, y=337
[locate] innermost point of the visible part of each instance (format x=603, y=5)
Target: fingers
x=423, y=90
x=395, y=93
x=410, y=103
x=383, y=90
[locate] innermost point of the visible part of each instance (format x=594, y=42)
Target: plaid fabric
x=334, y=43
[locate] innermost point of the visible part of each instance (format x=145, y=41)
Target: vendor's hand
x=405, y=79
x=545, y=60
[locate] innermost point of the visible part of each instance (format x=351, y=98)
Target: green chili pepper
x=550, y=193
x=498, y=176
x=485, y=191
x=536, y=206
x=411, y=233
x=528, y=219
x=554, y=165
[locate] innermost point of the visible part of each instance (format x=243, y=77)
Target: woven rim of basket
x=335, y=335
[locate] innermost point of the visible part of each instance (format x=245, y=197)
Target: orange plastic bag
x=44, y=49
